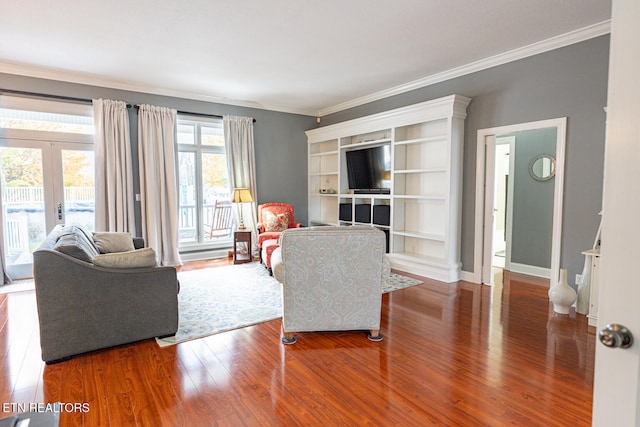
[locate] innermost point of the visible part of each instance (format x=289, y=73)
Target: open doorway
x=520, y=214
x=503, y=201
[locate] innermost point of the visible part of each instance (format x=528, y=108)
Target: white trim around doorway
x=479, y=268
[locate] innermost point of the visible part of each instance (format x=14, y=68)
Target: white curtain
x=241, y=163
x=158, y=184
x=114, y=172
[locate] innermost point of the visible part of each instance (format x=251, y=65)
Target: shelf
x=423, y=197
x=324, y=164
x=592, y=252
x=324, y=153
x=430, y=170
x=366, y=224
x=320, y=222
x=436, y=138
x=366, y=196
x=324, y=194
x=323, y=173
x=425, y=236
x=367, y=143
x=321, y=148
x=380, y=226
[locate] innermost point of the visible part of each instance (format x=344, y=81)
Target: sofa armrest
x=277, y=268
x=83, y=307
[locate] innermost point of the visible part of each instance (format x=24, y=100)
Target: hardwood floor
x=458, y=354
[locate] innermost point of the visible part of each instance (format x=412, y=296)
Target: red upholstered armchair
x=273, y=218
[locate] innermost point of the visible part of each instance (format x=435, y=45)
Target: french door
x=44, y=183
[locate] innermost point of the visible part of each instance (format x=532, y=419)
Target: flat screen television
x=369, y=170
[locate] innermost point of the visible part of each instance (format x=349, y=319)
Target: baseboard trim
x=530, y=270
x=471, y=277
x=201, y=255
x=441, y=272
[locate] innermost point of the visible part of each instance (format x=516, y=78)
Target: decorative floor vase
x=562, y=295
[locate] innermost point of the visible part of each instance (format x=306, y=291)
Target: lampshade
x=241, y=195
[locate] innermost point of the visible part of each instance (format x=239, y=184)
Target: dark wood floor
x=458, y=354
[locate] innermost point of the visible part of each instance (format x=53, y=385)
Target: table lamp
x=241, y=195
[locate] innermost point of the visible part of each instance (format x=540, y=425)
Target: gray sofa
x=84, y=307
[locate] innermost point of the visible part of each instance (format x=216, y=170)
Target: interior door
x=43, y=184
x=616, y=392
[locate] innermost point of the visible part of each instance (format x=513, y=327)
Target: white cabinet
x=594, y=282
x=421, y=214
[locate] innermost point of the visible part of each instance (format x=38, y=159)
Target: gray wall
x=567, y=82
x=280, y=141
x=532, y=233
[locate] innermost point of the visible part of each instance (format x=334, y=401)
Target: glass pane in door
x=187, y=220
x=78, y=178
x=23, y=207
x=215, y=190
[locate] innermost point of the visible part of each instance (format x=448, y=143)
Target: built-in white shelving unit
x=421, y=215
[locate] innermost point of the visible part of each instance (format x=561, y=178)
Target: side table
x=241, y=237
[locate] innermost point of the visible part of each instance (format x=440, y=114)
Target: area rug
x=18, y=286
x=225, y=298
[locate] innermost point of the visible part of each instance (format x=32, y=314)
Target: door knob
x=616, y=336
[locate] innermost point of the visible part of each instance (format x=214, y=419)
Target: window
x=34, y=120
x=47, y=173
x=203, y=182
x=26, y=114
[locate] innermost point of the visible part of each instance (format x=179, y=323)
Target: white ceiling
x=305, y=56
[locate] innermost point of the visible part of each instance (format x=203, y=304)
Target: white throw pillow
x=108, y=242
x=145, y=257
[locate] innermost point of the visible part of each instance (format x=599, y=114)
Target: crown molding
x=78, y=78
x=449, y=106
x=572, y=37
x=557, y=42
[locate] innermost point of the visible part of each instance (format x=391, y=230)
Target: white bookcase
x=324, y=158
x=422, y=214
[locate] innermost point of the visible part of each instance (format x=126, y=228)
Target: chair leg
x=288, y=338
x=374, y=335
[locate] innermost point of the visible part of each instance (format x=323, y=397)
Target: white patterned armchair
x=331, y=279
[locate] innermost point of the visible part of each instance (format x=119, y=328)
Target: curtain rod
x=90, y=101
x=188, y=113
x=49, y=96
x=45, y=95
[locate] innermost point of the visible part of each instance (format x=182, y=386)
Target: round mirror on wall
x=542, y=167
